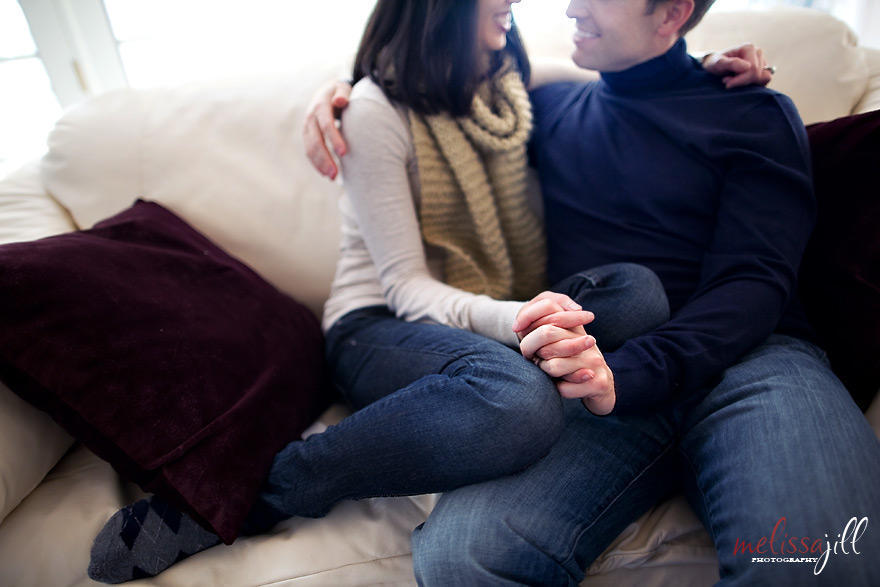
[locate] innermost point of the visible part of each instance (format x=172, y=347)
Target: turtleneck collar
x=654, y=74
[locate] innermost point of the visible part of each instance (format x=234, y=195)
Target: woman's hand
x=739, y=66
x=550, y=308
x=324, y=110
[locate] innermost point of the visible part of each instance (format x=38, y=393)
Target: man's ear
x=675, y=13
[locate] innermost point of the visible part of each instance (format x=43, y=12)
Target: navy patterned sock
x=144, y=539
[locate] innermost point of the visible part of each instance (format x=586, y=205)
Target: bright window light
x=170, y=41
x=15, y=36
x=27, y=113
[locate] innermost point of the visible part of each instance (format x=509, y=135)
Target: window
x=170, y=41
x=28, y=106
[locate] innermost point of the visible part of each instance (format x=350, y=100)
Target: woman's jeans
x=777, y=444
x=437, y=407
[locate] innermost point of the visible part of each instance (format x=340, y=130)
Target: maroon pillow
x=840, y=274
x=164, y=355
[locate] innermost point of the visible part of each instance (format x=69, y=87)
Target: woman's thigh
x=373, y=354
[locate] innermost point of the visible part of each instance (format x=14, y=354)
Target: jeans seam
x=706, y=505
x=612, y=502
x=464, y=353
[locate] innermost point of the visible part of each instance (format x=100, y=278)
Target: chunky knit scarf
x=473, y=192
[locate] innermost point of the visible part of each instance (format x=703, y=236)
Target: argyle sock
x=144, y=539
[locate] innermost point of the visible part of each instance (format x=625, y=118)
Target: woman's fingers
x=533, y=311
x=563, y=319
x=542, y=304
x=543, y=336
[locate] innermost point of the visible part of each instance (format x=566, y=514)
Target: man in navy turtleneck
x=658, y=164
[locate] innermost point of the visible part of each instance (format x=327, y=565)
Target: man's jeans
x=778, y=437
x=437, y=407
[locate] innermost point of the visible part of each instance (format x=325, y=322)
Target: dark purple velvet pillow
x=164, y=355
x=840, y=274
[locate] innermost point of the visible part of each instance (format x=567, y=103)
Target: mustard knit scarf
x=473, y=192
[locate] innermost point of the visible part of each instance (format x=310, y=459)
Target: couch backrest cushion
x=871, y=100
x=819, y=64
x=30, y=442
x=226, y=156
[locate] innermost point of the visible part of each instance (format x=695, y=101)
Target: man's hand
x=584, y=374
x=551, y=332
x=320, y=125
x=739, y=66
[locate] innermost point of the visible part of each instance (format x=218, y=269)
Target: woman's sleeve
x=377, y=183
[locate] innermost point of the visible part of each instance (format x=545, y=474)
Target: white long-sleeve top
x=383, y=259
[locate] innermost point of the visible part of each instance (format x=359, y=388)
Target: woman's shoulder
x=370, y=108
x=370, y=95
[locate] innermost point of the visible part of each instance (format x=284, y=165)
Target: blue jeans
x=437, y=407
x=778, y=437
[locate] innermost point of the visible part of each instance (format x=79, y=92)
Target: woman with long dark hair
x=441, y=238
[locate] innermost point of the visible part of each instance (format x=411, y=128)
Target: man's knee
x=628, y=300
x=480, y=548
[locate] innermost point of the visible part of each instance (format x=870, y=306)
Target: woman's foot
x=144, y=539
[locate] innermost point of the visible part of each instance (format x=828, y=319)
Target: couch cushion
x=166, y=356
x=840, y=274
x=30, y=441
x=30, y=445
x=226, y=156
x=871, y=100
x=819, y=64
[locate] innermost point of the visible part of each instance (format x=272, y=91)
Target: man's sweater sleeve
x=377, y=185
x=765, y=216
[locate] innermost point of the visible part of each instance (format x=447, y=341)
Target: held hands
x=551, y=332
x=320, y=125
x=739, y=66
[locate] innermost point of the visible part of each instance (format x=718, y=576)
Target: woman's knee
x=524, y=409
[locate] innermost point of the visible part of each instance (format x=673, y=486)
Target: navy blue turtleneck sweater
x=661, y=165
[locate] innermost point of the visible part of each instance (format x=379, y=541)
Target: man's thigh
x=546, y=524
x=780, y=437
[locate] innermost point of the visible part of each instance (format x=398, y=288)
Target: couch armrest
x=27, y=212
x=871, y=100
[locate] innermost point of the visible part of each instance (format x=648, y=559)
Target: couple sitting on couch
x=707, y=381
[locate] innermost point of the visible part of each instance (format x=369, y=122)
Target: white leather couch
x=227, y=157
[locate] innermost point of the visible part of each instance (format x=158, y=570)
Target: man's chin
x=582, y=61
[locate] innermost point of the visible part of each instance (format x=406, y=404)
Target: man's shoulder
x=746, y=109
x=758, y=99
x=763, y=109
x=551, y=101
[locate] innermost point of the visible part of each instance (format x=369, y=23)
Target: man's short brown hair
x=700, y=8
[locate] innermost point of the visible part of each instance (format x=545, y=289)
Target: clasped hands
x=551, y=331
